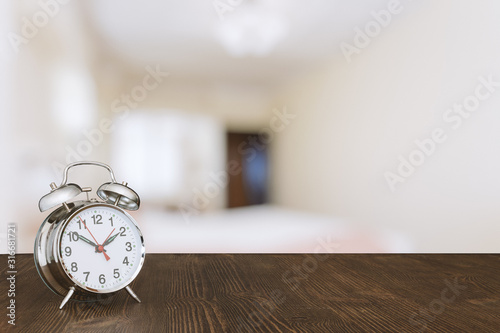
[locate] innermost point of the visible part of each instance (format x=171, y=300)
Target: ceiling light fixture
x=252, y=29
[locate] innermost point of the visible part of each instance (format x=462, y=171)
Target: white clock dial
x=101, y=248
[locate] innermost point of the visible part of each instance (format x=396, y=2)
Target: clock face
x=101, y=248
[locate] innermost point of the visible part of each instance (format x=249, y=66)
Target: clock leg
x=132, y=294
x=67, y=297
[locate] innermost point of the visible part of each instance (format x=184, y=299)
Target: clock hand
x=88, y=241
x=112, y=238
x=88, y=230
x=106, y=240
x=100, y=248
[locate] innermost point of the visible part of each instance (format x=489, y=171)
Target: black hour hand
x=88, y=241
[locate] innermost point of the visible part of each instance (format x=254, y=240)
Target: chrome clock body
x=89, y=249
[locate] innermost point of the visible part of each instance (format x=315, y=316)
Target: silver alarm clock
x=89, y=249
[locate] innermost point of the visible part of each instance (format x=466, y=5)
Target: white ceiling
x=180, y=35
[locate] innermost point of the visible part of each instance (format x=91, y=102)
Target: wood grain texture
x=277, y=293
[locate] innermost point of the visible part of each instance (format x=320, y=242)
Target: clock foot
x=132, y=294
x=67, y=297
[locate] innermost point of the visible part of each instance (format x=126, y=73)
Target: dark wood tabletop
x=275, y=293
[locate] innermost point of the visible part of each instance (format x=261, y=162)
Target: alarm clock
x=89, y=249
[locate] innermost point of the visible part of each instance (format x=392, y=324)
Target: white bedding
x=260, y=229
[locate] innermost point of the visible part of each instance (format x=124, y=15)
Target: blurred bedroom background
x=260, y=125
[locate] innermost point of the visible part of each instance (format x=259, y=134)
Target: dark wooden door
x=249, y=186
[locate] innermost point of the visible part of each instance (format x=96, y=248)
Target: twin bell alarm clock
x=89, y=249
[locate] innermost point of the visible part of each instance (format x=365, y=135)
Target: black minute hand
x=110, y=239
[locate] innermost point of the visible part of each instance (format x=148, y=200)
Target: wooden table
x=277, y=293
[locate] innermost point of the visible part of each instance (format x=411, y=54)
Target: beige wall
x=238, y=105
x=355, y=119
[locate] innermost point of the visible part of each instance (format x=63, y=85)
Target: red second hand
x=99, y=247
x=109, y=235
x=105, y=255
